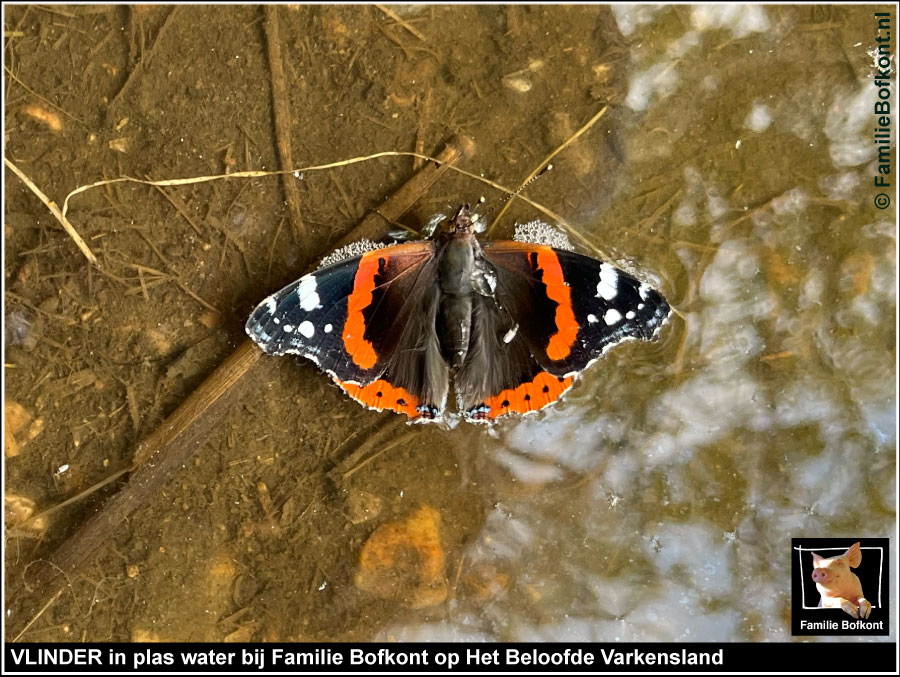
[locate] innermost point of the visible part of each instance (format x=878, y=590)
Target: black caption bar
x=443, y=657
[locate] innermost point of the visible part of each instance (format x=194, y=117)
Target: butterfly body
x=511, y=323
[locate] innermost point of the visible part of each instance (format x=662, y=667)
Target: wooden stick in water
x=282, y=111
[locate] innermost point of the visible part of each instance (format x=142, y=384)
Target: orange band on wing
x=537, y=394
x=361, y=351
x=561, y=342
x=381, y=395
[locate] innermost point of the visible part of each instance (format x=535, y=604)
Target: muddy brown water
x=734, y=168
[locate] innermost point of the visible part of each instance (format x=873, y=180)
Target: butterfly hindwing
x=500, y=376
x=416, y=379
x=571, y=308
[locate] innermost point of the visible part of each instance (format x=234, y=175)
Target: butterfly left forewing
x=348, y=317
x=306, y=318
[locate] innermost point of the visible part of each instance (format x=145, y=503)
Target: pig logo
x=837, y=605
x=838, y=585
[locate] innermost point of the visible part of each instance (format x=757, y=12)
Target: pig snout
x=821, y=576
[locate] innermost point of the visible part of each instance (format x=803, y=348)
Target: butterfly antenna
x=515, y=193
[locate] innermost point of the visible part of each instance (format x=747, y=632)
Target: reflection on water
x=658, y=502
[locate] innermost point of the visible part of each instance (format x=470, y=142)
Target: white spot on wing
x=289, y=327
x=306, y=328
x=612, y=316
x=591, y=318
x=608, y=286
x=327, y=329
x=642, y=290
x=270, y=304
x=630, y=315
x=307, y=294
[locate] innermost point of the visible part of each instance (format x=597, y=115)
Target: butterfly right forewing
x=572, y=308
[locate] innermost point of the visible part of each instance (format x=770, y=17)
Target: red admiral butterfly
x=514, y=322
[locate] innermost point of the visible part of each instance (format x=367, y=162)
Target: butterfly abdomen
x=456, y=261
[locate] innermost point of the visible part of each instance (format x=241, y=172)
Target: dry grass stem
x=400, y=22
x=537, y=170
x=60, y=216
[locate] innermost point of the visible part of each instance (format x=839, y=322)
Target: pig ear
x=816, y=559
x=854, y=555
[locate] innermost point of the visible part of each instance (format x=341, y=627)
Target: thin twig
x=441, y=164
x=424, y=113
x=176, y=278
x=342, y=163
x=645, y=224
x=540, y=167
x=74, y=499
x=282, y=109
x=401, y=22
x=68, y=227
x=139, y=67
x=39, y=614
x=179, y=205
x=256, y=173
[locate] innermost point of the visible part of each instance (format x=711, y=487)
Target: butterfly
x=511, y=323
